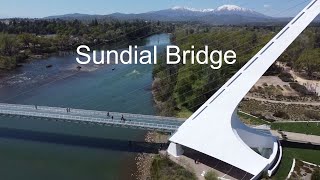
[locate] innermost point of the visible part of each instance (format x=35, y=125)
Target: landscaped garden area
x=309, y=155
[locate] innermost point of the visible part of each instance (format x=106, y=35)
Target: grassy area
x=284, y=167
x=164, y=169
x=308, y=155
x=251, y=120
x=311, y=128
x=298, y=127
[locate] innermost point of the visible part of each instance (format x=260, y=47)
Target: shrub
x=281, y=114
x=162, y=168
x=294, y=176
x=286, y=77
x=7, y=62
x=279, y=87
x=299, y=163
x=316, y=174
x=301, y=89
x=211, y=176
x=312, y=115
x=265, y=175
x=307, y=170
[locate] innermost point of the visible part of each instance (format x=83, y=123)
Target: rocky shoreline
x=144, y=160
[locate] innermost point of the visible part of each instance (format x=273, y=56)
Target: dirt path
x=312, y=85
x=283, y=102
x=275, y=81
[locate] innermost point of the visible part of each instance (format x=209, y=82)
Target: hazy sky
x=42, y=8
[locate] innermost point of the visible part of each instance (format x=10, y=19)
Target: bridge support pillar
x=175, y=149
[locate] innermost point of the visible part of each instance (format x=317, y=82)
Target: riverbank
x=160, y=166
x=12, y=62
x=145, y=161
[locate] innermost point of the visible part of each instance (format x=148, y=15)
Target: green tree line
x=22, y=38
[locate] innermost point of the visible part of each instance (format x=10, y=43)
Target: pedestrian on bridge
x=123, y=119
x=112, y=117
x=108, y=114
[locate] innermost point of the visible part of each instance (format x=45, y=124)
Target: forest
x=180, y=88
x=21, y=39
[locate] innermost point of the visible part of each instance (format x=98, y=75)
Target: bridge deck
x=136, y=121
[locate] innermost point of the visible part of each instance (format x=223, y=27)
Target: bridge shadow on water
x=83, y=141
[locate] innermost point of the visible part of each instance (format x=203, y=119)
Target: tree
x=94, y=22
x=310, y=60
x=8, y=44
x=26, y=39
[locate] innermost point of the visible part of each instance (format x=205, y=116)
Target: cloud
x=267, y=6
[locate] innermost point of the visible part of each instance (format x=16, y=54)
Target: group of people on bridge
x=108, y=114
x=122, y=117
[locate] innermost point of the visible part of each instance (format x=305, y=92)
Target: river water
x=33, y=148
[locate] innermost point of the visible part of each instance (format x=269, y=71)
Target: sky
x=43, y=8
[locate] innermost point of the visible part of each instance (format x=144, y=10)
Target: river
x=33, y=148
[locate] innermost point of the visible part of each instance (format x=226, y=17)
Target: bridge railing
x=25, y=111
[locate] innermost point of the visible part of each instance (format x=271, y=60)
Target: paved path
x=298, y=137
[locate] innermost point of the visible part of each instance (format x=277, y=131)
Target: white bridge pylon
x=215, y=129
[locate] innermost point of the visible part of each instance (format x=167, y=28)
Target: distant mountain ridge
x=78, y=16
x=223, y=15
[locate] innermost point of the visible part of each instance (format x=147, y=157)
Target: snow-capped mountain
x=232, y=8
x=236, y=10
x=226, y=14
x=222, y=10
x=179, y=8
